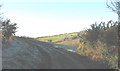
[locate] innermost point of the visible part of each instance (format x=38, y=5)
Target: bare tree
x=115, y=7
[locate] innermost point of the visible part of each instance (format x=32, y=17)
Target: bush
x=100, y=52
x=107, y=33
x=111, y=36
x=101, y=43
x=8, y=30
x=93, y=33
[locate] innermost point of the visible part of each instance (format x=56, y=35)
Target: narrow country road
x=26, y=53
x=69, y=48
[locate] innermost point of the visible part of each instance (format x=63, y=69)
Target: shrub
x=111, y=36
x=93, y=33
x=8, y=30
x=101, y=43
x=107, y=33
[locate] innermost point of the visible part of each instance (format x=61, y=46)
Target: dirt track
x=24, y=53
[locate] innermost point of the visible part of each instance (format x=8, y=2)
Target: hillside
x=28, y=53
x=57, y=38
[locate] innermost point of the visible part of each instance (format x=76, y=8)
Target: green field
x=56, y=38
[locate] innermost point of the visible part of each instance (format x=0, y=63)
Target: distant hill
x=69, y=39
x=57, y=38
x=29, y=53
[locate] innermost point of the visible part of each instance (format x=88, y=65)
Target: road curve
x=26, y=53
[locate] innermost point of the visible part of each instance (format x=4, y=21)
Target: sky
x=37, y=18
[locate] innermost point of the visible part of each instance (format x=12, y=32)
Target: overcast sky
x=37, y=18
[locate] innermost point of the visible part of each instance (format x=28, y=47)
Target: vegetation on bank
x=8, y=30
x=100, y=42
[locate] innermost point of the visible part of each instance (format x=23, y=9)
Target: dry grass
x=70, y=42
